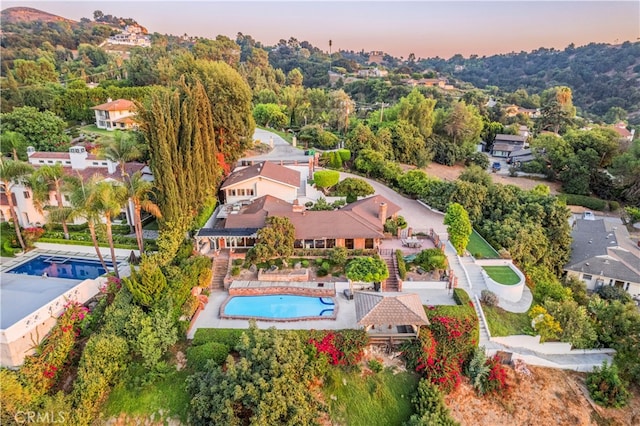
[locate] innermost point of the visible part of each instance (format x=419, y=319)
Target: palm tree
x=140, y=191
x=13, y=141
x=108, y=199
x=124, y=148
x=45, y=177
x=14, y=172
x=80, y=198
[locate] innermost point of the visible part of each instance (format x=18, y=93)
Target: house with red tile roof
x=266, y=178
x=359, y=225
x=624, y=133
x=115, y=115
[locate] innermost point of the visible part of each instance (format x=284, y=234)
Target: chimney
x=78, y=157
x=30, y=151
x=297, y=207
x=109, y=100
x=382, y=212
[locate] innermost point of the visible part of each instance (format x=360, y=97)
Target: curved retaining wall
x=510, y=293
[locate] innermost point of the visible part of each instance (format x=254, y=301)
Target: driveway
x=282, y=150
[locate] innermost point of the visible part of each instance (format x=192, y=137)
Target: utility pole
x=330, y=57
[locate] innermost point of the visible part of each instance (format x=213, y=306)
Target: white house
x=77, y=162
x=115, y=115
x=266, y=178
x=602, y=253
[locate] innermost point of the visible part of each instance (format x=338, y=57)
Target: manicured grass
x=92, y=128
x=478, y=246
x=168, y=394
x=503, y=323
x=378, y=399
x=502, y=274
x=151, y=226
x=284, y=135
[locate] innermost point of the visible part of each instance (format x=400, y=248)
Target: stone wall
x=295, y=275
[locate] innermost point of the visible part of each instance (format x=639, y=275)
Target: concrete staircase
x=391, y=283
x=220, y=268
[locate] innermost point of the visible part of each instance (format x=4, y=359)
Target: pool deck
x=346, y=318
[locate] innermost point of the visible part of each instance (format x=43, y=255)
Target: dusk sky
x=425, y=28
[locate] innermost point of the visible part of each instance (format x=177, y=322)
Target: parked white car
x=588, y=215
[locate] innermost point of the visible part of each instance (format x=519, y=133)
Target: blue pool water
x=279, y=306
x=61, y=267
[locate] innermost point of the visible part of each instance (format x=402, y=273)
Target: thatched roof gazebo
x=390, y=313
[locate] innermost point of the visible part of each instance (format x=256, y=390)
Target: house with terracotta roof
x=76, y=162
x=625, y=134
x=115, y=115
x=602, y=253
x=249, y=183
x=359, y=225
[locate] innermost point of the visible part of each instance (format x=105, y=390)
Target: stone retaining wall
x=295, y=275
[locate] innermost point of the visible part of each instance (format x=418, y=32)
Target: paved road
x=282, y=150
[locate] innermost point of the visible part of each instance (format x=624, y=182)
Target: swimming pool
x=61, y=267
x=279, y=307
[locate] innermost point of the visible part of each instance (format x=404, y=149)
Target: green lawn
x=284, y=135
x=379, y=399
x=168, y=394
x=479, y=248
x=503, y=323
x=502, y=274
x=151, y=226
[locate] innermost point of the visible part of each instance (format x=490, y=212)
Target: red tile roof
x=117, y=105
x=267, y=170
x=376, y=309
x=51, y=155
x=358, y=221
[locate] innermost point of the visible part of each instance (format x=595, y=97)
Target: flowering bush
x=441, y=350
x=41, y=370
x=344, y=347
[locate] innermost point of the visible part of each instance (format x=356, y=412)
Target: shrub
x=609, y=292
x=606, y=388
x=429, y=407
x=345, y=154
x=489, y=298
x=235, y=271
x=375, y=365
x=343, y=347
x=614, y=206
x=402, y=266
x=338, y=255
x=304, y=263
x=461, y=296
x=431, y=259
x=227, y=336
x=198, y=356
x=584, y=201
x=547, y=326
x=634, y=213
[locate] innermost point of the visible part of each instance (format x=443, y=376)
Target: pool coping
x=332, y=317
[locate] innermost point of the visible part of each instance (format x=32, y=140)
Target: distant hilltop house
x=376, y=57
x=625, y=135
x=373, y=72
x=513, y=110
x=603, y=254
x=76, y=162
x=131, y=36
x=429, y=82
x=115, y=115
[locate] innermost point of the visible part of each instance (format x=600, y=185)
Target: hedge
x=584, y=201
x=150, y=245
x=227, y=336
x=402, y=266
x=461, y=296
x=198, y=356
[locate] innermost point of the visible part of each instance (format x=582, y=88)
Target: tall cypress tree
x=178, y=127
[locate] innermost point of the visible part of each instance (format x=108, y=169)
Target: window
x=308, y=244
x=587, y=277
x=368, y=243
x=50, y=161
x=319, y=243
x=66, y=197
x=331, y=243
x=41, y=161
x=26, y=194
x=231, y=192
x=104, y=163
x=241, y=192
x=250, y=192
x=297, y=244
x=95, y=163
x=348, y=243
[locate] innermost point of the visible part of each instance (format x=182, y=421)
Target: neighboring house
x=131, y=36
x=359, y=225
x=373, y=72
x=504, y=145
x=625, y=135
x=513, y=110
x=521, y=156
x=376, y=57
x=602, y=253
x=266, y=178
x=114, y=115
x=77, y=162
x=428, y=82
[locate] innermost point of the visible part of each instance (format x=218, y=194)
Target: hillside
x=13, y=15
x=601, y=76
